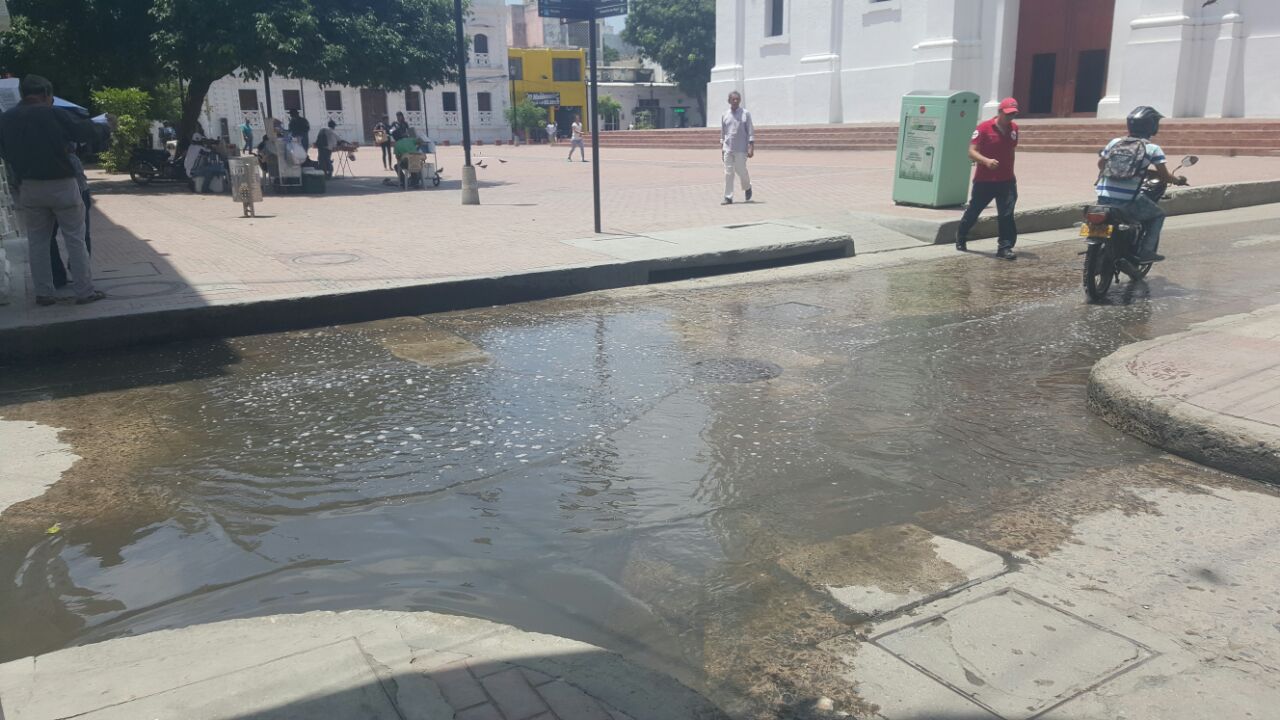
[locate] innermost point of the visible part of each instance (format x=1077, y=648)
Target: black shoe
x=727, y=201
x=748, y=194
x=962, y=246
x=1006, y=254
x=1152, y=258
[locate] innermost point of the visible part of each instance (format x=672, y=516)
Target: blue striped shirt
x=1126, y=190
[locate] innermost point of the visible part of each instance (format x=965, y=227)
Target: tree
x=611, y=55
x=383, y=44
x=608, y=108
x=525, y=116
x=679, y=35
x=81, y=45
x=132, y=109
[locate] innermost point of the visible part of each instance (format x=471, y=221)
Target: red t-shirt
x=993, y=143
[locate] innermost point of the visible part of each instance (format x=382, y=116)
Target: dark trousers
x=387, y=160
x=55, y=256
x=1005, y=193
x=325, y=157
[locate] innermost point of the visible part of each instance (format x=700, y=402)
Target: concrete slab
x=719, y=244
x=34, y=459
x=360, y=664
x=1013, y=654
x=1208, y=393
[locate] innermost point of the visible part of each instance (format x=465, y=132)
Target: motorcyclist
x=1123, y=165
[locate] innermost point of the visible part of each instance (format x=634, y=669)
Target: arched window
x=480, y=44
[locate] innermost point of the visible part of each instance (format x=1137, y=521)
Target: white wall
x=852, y=60
x=668, y=96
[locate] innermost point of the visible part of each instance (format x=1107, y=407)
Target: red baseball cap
x=1009, y=106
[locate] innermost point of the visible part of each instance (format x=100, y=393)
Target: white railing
x=337, y=116
x=486, y=117
x=480, y=59
x=416, y=118
x=452, y=118
x=253, y=116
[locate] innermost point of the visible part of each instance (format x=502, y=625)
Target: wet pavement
x=624, y=468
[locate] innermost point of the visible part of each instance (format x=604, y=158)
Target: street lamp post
x=470, y=193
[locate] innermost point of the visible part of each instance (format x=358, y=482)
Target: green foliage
x=611, y=55
x=644, y=120
x=132, y=109
x=166, y=101
x=526, y=116
x=82, y=44
x=680, y=35
x=608, y=108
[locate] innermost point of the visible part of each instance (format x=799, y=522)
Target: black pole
x=462, y=81
x=266, y=83
x=595, y=129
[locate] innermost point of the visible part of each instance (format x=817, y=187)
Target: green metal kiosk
x=932, y=169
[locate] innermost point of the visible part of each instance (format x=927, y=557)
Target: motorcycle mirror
x=1190, y=160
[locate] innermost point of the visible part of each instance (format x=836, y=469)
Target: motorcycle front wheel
x=143, y=172
x=1099, y=271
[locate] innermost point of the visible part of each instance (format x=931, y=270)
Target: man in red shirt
x=992, y=149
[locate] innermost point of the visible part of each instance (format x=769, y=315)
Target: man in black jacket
x=300, y=128
x=34, y=137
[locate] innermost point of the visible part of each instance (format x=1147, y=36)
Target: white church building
x=846, y=61
x=434, y=111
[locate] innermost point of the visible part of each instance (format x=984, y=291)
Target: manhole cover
x=1013, y=654
x=325, y=258
x=735, y=370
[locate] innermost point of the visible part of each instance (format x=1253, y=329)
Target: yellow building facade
x=552, y=78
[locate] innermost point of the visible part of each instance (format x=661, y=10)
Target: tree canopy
x=82, y=45
x=679, y=35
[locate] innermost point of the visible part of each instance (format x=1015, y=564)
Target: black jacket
x=34, y=140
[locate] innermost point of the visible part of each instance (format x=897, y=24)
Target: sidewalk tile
x=513, y=695
x=457, y=685
x=570, y=703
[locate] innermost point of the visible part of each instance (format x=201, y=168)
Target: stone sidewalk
x=370, y=665
x=161, y=251
x=1211, y=393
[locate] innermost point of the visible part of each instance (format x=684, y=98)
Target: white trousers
x=735, y=162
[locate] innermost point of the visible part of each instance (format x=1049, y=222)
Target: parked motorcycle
x=1114, y=239
x=149, y=164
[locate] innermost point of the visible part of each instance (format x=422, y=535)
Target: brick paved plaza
x=163, y=247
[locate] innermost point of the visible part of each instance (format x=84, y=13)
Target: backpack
x=1126, y=160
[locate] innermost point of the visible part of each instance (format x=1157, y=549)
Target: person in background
x=1122, y=166
x=34, y=137
x=399, y=129
x=326, y=142
x=56, y=265
x=575, y=139
x=404, y=146
x=300, y=128
x=992, y=150
x=737, y=145
x=551, y=133
x=382, y=138
x=246, y=132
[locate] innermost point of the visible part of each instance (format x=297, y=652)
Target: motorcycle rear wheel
x=1099, y=271
x=143, y=173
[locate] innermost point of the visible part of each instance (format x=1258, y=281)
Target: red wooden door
x=1061, y=61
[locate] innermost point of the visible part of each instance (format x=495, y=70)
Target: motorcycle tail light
x=1096, y=218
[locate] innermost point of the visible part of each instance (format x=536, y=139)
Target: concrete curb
x=1236, y=444
x=1181, y=201
x=295, y=313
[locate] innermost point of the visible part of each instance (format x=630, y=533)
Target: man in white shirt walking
x=575, y=139
x=737, y=144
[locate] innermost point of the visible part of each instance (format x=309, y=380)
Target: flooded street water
x=624, y=468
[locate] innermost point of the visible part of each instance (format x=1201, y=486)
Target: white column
x=1003, y=34
x=1155, y=65
x=728, y=73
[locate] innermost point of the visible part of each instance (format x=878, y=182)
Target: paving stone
x=570, y=703
x=992, y=651
x=513, y=695
x=536, y=678
x=484, y=668
x=480, y=712
x=459, y=688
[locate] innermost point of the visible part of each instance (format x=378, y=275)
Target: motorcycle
x=1114, y=239
x=148, y=164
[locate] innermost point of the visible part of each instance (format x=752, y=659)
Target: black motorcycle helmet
x=1144, y=121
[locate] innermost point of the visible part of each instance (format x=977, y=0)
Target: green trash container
x=932, y=168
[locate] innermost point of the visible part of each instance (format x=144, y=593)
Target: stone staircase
x=1177, y=137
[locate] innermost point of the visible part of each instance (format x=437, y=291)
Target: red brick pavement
x=163, y=247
